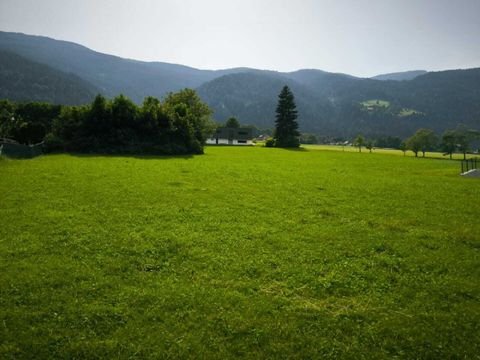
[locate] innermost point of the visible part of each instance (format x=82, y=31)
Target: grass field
x=241, y=252
x=428, y=154
x=376, y=103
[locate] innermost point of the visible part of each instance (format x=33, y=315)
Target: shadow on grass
x=127, y=155
x=299, y=149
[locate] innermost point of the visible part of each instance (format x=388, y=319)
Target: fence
x=469, y=164
x=12, y=149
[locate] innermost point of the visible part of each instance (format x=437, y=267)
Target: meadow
x=408, y=153
x=241, y=252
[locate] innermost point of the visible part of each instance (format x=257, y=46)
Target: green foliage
x=232, y=122
x=359, y=142
x=26, y=123
x=369, y=145
x=449, y=142
x=270, y=142
x=286, y=126
x=307, y=138
x=390, y=142
x=423, y=140
x=243, y=253
x=179, y=125
x=191, y=118
x=463, y=138
x=413, y=143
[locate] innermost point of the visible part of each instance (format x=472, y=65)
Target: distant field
x=241, y=252
x=428, y=154
x=408, y=112
x=372, y=105
x=376, y=103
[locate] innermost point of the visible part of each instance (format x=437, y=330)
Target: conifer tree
x=286, y=126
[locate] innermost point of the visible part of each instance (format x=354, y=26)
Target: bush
x=270, y=142
x=178, y=125
x=52, y=143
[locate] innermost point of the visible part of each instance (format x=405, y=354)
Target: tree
x=359, y=141
x=187, y=112
x=124, y=112
x=388, y=142
x=428, y=140
x=463, y=138
x=308, y=139
x=7, y=118
x=232, y=123
x=99, y=120
x=413, y=143
x=151, y=116
x=369, y=145
x=286, y=126
x=403, y=147
x=449, y=143
x=422, y=140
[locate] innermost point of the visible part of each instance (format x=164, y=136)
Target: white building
x=231, y=136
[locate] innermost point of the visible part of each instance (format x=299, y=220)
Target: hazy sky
x=359, y=37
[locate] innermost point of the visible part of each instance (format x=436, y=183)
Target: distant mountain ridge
x=110, y=74
x=400, y=76
x=31, y=81
x=329, y=103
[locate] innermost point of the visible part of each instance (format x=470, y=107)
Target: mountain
x=252, y=97
x=400, y=76
x=329, y=103
x=342, y=105
x=25, y=80
x=112, y=75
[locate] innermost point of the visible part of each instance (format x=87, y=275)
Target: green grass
x=408, y=112
x=376, y=104
x=242, y=252
x=409, y=153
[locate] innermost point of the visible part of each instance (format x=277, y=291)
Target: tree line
x=180, y=124
x=452, y=141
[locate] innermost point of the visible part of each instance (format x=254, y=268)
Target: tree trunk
x=450, y=156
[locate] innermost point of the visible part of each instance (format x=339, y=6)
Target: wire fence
x=470, y=164
x=12, y=149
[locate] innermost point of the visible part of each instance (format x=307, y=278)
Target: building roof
x=234, y=133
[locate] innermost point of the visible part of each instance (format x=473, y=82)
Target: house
x=263, y=137
x=231, y=136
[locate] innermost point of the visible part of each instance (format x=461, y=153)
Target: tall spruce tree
x=286, y=126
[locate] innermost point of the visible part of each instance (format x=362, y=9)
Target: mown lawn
x=241, y=252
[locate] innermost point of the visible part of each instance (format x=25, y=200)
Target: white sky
x=359, y=37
